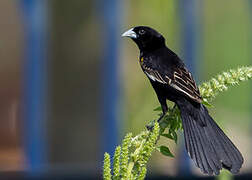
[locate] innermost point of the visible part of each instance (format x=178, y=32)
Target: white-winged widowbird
x=207, y=145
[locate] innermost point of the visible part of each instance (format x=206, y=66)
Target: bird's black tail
x=207, y=145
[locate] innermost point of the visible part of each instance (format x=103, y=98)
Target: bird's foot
x=149, y=127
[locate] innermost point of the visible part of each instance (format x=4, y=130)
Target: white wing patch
x=182, y=81
x=155, y=76
x=178, y=88
x=151, y=77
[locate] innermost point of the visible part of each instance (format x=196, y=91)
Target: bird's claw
x=149, y=127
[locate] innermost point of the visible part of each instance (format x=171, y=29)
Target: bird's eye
x=141, y=32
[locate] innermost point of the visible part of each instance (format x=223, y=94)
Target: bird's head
x=146, y=38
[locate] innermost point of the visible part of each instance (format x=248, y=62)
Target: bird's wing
x=181, y=80
x=154, y=75
x=184, y=82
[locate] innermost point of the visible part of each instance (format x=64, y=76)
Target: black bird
x=207, y=145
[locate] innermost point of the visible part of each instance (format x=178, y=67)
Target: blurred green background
x=75, y=62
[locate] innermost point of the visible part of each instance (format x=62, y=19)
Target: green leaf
x=163, y=125
x=175, y=136
x=158, y=109
x=173, y=125
x=168, y=136
x=165, y=151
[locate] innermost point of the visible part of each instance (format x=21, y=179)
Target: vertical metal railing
x=190, y=33
x=35, y=21
x=110, y=17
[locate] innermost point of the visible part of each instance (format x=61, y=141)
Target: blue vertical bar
x=110, y=16
x=190, y=34
x=34, y=18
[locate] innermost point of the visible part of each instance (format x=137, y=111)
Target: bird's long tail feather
x=207, y=145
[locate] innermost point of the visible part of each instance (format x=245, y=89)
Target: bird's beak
x=130, y=33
